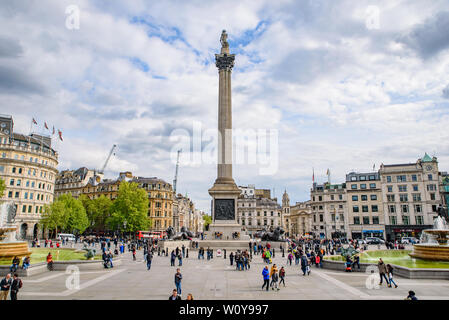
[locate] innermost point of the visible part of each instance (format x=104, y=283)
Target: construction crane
x=96, y=177
x=175, y=181
x=107, y=159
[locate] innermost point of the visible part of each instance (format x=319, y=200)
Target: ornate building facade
x=296, y=219
x=28, y=166
x=73, y=181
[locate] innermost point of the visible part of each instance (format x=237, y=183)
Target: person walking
x=149, y=259
x=290, y=258
x=5, y=285
x=134, y=253
x=390, y=275
x=180, y=259
x=304, y=264
x=172, y=258
x=231, y=258
x=274, y=277
x=317, y=261
x=16, y=284
x=178, y=279
x=282, y=276
x=266, y=277
x=382, y=272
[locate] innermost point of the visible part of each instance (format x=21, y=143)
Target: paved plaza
x=216, y=279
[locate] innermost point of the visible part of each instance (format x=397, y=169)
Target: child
x=390, y=275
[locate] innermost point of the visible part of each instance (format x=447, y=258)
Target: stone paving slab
x=217, y=280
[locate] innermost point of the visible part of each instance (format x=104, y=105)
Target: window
x=372, y=186
x=355, y=209
x=31, y=196
x=321, y=218
x=432, y=196
x=364, y=197
x=429, y=177
x=390, y=197
x=30, y=208
x=340, y=197
x=403, y=197
x=332, y=197
x=353, y=178
x=372, y=177
x=418, y=208
x=431, y=187
x=26, y=195
x=402, y=178
x=392, y=208
x=17, y=194
x=416, y=197
x=434, y=208
x=415, y=187
x=355, y=198
x=353, y=186
x=365, y=220
x=404, y=208
x=405, y=220
x=402, y=188
x=389, y=188
x=24, y=208
x=373, y=197
x=14, y=170
x=362, y=178
x=393, y=220
x=375, y=220
x=419, y=220
x=11, y=182
x=374, y=208
x=364, y=208
x=333, y=217
x=342, y=217
x=414, y=177
x=19, y=182
x=363, y=186
x=320, y=198
x=388, y=178
x=356, y=220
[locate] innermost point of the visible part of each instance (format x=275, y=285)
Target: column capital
x=224, y=61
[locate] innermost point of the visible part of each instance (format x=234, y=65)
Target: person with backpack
x=15, y=286
x=282, y=276
x=290, y=258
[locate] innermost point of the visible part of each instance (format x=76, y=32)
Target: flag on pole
x=34, y=121
x=45, y=125
x=60, y=134
x=313, y=175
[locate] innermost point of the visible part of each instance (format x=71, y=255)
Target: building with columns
x=296, y=219
x=255, y=212
x=28, y=166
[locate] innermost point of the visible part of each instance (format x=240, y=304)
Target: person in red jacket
x=317, y=261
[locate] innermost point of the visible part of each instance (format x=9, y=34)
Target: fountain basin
x=436, y=252
x=9, y=250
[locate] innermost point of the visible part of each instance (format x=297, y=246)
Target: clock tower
x=6, y=125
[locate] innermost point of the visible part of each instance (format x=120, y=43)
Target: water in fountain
x=440, y=224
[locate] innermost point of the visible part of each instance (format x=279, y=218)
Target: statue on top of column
x=224, y=41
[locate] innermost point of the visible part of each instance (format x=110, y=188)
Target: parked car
x=409, y=240
x=65, y=236
x=361, y=241
x=374, y=240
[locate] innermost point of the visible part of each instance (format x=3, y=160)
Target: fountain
x=433, y=243
x=9, y=246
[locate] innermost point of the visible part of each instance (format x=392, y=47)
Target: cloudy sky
x=344, y=84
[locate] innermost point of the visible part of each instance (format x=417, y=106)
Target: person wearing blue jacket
x=266, y=277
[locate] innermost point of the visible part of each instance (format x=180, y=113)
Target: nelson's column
x=224, y=191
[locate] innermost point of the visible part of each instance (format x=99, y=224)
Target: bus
x=150, y=235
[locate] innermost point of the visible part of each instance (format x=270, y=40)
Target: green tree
x=66, y=213
x=207, y=220
x=131, y=205
x=98, y=211
x=2, y=187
